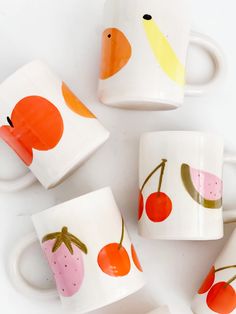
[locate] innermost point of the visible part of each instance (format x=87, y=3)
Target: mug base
x=82, y=310
x=140, y=103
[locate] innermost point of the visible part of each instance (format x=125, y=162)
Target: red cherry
x=208, y=282
x=141, y=205
x=135, y=258
x=114, y=260
x=221, y=298
x=158, y=206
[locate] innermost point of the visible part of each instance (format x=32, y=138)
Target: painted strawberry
x=63, y=252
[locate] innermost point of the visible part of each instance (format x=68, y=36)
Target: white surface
x=66, y=34
x=188, y=220
x=226, y=257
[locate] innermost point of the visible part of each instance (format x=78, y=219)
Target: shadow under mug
x=88, y=250
x=144, y=49
x=46, y=125
x=180, y=180
x=217, y=292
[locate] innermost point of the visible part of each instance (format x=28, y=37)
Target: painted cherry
x=113, y=258
x=135, y=258
x=35, y=123
x=210, y=278
x=140, y=206
x=158, y=204
x=222, y=298
x=208, y=282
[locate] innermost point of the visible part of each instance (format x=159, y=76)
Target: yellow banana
x=163, y=51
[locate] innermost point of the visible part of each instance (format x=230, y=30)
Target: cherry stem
x=10, y=122
x=122, y=233
x=161, y=175
x=231, y=280
x=152, y=173
x=226, y=267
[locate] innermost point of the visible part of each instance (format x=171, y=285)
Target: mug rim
x=184, y=132
x=105, y=190
x=22, y=68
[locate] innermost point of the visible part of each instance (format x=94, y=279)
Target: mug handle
x=207, y=44
x=16, y=277
x=229, y=216
x=17, y=184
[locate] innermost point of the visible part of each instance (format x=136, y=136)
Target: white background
x=66, y=34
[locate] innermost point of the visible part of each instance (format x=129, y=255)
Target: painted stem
x=152, y=173
x=122, y=233
x=10, y=122
x=225, y=267
x=161, y=175
x=231, y=280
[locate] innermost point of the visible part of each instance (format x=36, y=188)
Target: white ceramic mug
x=160, y=310
x=88, y=250
x=46, y=125
x=180, y=180
x=217, y=293
x=144, y=48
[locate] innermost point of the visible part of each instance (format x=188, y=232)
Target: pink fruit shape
x=64, y=254
x=205, y=188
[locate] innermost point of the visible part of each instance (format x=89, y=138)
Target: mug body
x=180, y=180
x=89, y=251
x=144, y=46
x=160, y=310
x=217, y=292
x=46, y=124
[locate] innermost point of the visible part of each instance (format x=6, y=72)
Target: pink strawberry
x=63, y=252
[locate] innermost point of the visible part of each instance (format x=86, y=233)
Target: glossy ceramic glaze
x=144, y=48
x=180, y=180
x=89, y=251
x=217, y=292
x=47, y=126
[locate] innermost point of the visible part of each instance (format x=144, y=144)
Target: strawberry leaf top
x=67, y=238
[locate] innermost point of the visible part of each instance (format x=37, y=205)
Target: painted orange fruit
x=116, y=52
x=35, y=123
x=74, y=103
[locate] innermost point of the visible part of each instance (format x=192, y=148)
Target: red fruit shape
x=135, y=258
x=63, y=252
x=158, y=207
x=35, y=123
x=208, y=282
x=141, y=206
x=113, y=258
x=221, y=298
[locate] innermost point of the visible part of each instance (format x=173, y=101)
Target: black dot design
x=54, y=263
x=147, y=17
x=75, y=284
x=109, y=35
x=63, y=289
x=65, y=265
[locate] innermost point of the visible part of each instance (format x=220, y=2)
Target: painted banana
x=163, y=51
